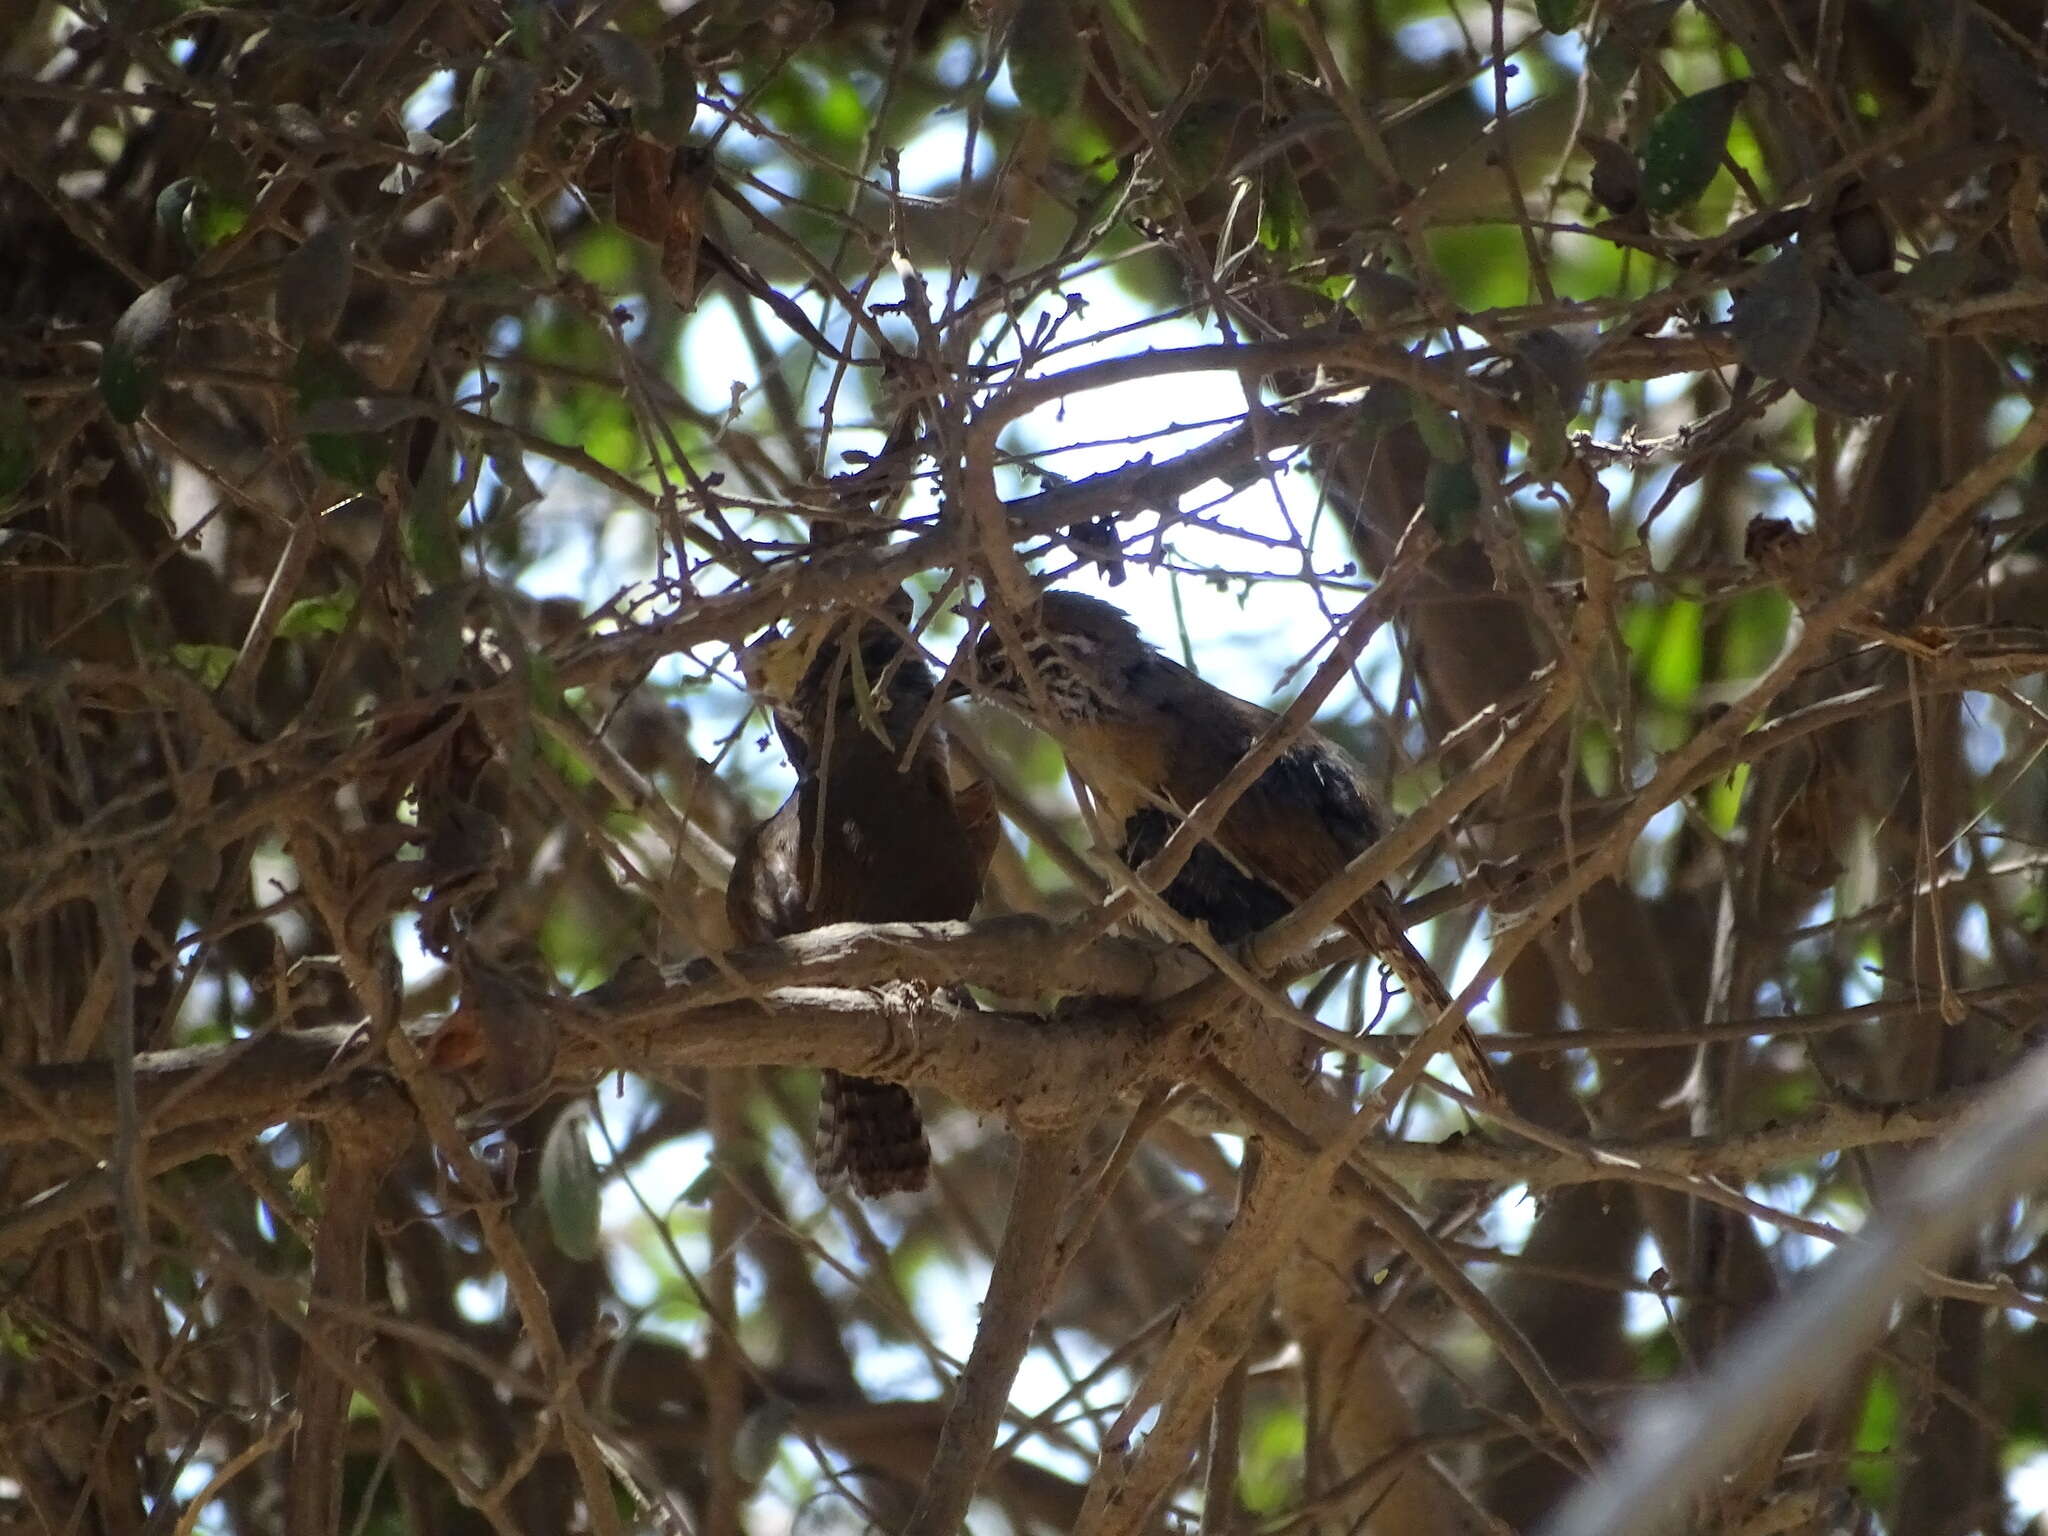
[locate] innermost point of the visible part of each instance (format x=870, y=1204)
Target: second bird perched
x=1152, y=739
x=874, y=832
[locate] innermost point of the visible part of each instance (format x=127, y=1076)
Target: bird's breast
x=1125, y=765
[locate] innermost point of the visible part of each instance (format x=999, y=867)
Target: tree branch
x=1019, y=1290
x=1786, y=1360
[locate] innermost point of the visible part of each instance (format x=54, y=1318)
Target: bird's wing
x=894, y=846
x=981, y=824
x=764, y=896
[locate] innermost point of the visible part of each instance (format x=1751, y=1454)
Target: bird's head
x=833, y=659
x=1081, y=650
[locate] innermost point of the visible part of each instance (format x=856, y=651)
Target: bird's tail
x=1374, y=926
x=870, y=1135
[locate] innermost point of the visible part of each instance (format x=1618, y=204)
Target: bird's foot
x=902, y=1004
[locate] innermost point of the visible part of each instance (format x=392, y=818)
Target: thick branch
x=1020, y=1287
x=361, y=1147
x=1786, y=1360
x=1034, y=1071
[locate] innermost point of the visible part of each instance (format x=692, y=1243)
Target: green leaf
x=1597, y=758
x=571, y=1188
x=1775, y=318
x=1874, y=1469
x=1753, y=632
x=430, y=542
x=700, y=1189
x=320, y=377
x=1684, y=147
x=1548, y=428
x=208, y=663
x=1048, y=60
x=2031, y=910
x=1724, y=799
x=1559, y=15
x=212, y=217
x=533, y=237
x=324, y=615
x=759, y=1438
x=131, y=367
x=1284, y=221
x=313, y=284
x=543, y=687
x=625, y=62
x=1941, y=274
x=434, y=644
x=1450, y=499
x=1673, y=671
x=1438, y=429
x=529, y=29
x=172, y=202
x=670, y=120
x=360, y=413
x=1379, y=295
x=1274, y=1439
x=1382, y=407
x=502, y=127
x=1199, y=137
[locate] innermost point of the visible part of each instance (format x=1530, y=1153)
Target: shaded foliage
x=409, y=411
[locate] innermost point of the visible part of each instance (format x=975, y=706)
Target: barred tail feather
x=870, y=1135
x=1373, y=924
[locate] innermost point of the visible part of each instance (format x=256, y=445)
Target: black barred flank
x=1209, y=888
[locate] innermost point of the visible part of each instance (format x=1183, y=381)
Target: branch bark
x=1019, y=1289
x=1785, y=1361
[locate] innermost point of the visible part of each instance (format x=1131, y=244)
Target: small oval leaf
x=209, y=663
x=1200, y=137
x=1438, y=429
x=340, y=423
x=671, y=115
x=1382, y=407
x=172, y=202
x=1450, y=499
x=211, y=218
x=131, y=366
x=626, y=62
x=1377, y=294
x=504, y=125
x=1775, y=318
x=571, y=1188
x=1685, y=144
x=1944, y=274
x=313, y=284
x=429, y=526
x=759, y=1438
x=324, y=615
x=1048, y=60
x=1284, y=220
